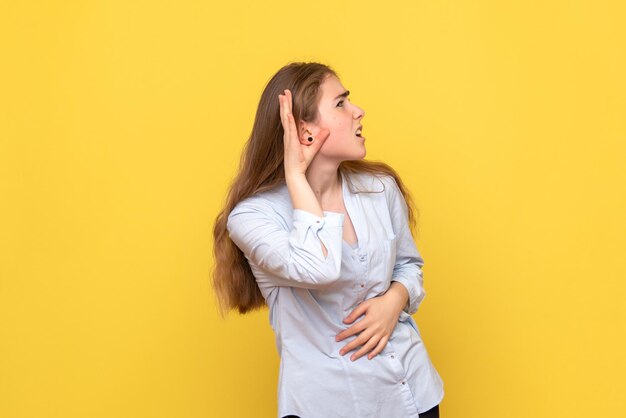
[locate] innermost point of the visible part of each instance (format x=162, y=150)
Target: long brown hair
x=261, y=168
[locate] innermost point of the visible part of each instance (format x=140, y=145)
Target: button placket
x=363, y=260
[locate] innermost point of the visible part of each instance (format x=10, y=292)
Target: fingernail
x=352, y=358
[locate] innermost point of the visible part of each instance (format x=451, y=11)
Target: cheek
x=339, y=127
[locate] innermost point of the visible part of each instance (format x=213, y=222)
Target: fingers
x=286, y=117
x=354, y=329
x=281, y=100
x=286, y=106
x=358, y=311
x=284, y=109
x=381, y=344
x=367, y=347
x=360, y=340
x=289, y=99
x=291, y=122
x=372, y=343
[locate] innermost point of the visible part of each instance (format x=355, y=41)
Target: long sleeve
x=289, y=257
x=409, y=262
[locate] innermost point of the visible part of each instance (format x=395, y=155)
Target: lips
x=359, y=130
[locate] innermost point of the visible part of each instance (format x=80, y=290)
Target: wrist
x=399, y=295
x=294, y=177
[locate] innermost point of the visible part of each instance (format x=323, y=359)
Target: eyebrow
x=344, y=94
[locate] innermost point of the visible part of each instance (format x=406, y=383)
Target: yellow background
x=121, y=124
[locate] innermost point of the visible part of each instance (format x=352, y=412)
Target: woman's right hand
x=298, y=151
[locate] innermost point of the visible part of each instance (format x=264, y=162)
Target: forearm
x=398, y=295
x=302, y=197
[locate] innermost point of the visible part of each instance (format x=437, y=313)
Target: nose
x=358, y=112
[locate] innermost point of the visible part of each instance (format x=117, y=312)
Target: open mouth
x=358, y=131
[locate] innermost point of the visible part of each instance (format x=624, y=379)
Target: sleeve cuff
x=330, y=218
x=414, y=298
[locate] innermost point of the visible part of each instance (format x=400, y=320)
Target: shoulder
x=270, y=204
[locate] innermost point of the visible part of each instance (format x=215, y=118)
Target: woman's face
x=343, y=119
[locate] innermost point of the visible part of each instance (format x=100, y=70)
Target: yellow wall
x=122, y=122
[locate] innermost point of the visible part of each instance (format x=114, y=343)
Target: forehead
x=331, y=88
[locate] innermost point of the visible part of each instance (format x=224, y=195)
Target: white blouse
x=309, y=295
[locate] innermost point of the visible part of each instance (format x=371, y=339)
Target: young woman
x=322, y=238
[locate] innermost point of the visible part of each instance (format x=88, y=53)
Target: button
x=363, y=257
x=362, y=285
x=404, y=382
x=393, y=356
x=317, y=222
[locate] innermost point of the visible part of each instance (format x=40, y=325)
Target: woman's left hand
x=381, y=317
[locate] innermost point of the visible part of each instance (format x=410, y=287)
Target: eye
x=340, y=102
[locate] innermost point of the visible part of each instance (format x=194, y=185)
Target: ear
x=305, y=130
x=302, y=129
